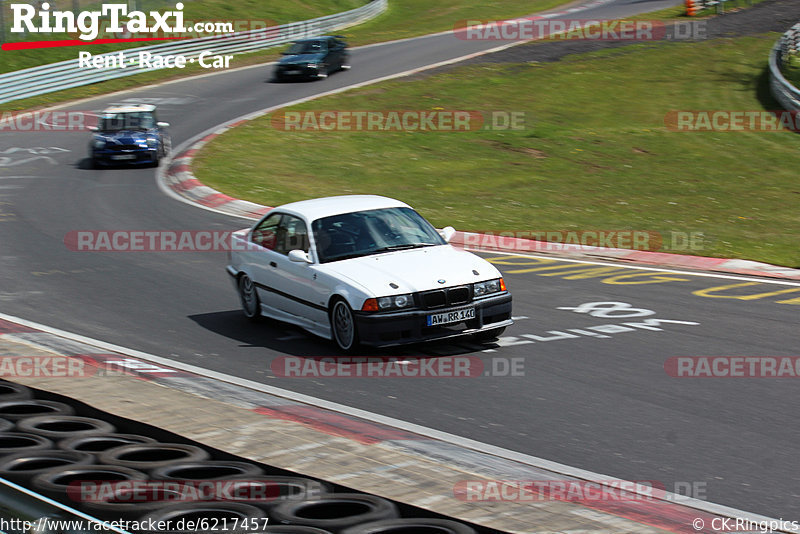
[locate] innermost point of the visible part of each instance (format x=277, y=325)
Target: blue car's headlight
x=152, y=142
x=99, y=143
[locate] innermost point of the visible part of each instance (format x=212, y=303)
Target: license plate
x=123, y=156
x=455, y=316
x=292, y=72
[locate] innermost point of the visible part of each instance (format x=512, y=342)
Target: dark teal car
x=313, y=58
x=131, y=135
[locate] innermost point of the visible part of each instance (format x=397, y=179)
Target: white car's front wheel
x=249, y=298
x=343, y=326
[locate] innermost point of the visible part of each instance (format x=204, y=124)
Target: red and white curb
x=180, y=179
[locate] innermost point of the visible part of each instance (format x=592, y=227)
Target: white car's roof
x=130, y=108
x=325, y=207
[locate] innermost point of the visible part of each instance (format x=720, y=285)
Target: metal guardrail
x=67, y=74
x=787, y=95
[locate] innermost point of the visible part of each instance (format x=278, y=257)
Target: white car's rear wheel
x=343, y=326
x=249, y=298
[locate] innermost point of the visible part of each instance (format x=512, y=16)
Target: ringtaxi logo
x=87, y=23
x=435, y=120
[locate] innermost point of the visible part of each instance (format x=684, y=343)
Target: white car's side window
x=266, y=233
x=292, y=235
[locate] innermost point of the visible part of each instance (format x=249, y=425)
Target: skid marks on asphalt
x=7, y=213
x=785, y=293
x=161, y=101
x=15, y=156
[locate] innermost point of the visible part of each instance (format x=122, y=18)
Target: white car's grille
x=439, y=298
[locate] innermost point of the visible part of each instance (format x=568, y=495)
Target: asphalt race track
x=595, y=398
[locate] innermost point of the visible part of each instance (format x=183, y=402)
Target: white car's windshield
x=372, y=232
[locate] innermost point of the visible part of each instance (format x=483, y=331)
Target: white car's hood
x=413, y=270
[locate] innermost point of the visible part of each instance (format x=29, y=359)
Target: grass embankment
x=595, y=152
x=403, y=18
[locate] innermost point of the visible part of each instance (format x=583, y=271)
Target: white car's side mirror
x=299, y=256
x=447, y=233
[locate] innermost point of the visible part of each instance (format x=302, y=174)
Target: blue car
x=129, y=134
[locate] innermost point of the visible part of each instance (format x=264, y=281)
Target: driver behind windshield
x=311, y=47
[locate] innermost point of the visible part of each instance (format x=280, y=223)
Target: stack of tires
x=122, y=474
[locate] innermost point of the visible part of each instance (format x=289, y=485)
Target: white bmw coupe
x=364, y=269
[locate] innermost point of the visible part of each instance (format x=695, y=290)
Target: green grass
x=595, y=153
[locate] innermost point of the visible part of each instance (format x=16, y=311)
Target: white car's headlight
x=395, y=302
x=487, y=288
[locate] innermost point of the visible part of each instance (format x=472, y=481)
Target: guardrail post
x=2, y=21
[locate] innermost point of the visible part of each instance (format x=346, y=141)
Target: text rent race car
x=365, y=269
x=129, y=134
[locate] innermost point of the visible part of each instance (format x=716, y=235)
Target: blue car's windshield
x=114, y=122
x=372, y=232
